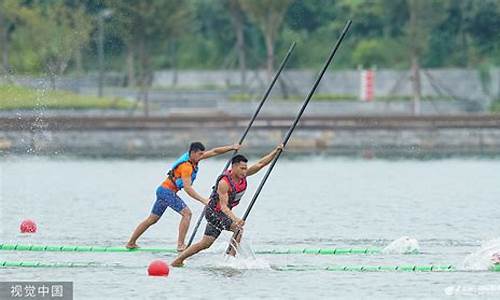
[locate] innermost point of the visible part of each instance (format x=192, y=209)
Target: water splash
x=245, y=259
x=403, y=245
x=244, y=263
x=38, y=138
x=485, y=257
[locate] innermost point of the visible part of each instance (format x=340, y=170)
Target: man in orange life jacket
x=181, y=175
x=229, y=188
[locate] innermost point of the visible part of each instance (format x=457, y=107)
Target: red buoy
x=27, y=226
x=158, y=268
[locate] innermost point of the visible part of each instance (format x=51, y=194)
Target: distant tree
x=12, y=16
x=481, y=27
x=145, y=26
x=423, y=16
x=367, y=15
x=309, y=16
x=415, y=40
x=223, y=34
x=268, y=16
x=370, y=52
x=238, y=22
x=57, y=31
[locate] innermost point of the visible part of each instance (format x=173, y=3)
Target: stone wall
x=377, y=142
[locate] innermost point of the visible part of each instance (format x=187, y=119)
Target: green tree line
x=60, y=36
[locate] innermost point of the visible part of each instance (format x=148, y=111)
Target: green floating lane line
x=443, y=268
x=23, y=247
x=34, y=264
x=359, y=251
x=327, y=251
x=368, y=268
x=354, y=268
x=344, y=251
x=68, y=248
x=52, y=248
x=406, y=268
x=312, y=251
x=10, y=264
x=8, y=247
x=29, y=264
x=388, y=268
x=82, y=248
x=371, y=268
x=334, y=268
x=323, y=251
x=37, y=248
x=424, y=268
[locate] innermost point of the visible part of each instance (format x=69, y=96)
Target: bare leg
x=143, y=226
x=236, y=242
x=205, y=243
x=183, y=228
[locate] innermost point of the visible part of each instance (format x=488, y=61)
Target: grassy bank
x=495, y=106
x=241, y=97
x=18, y=97
x=338, y=98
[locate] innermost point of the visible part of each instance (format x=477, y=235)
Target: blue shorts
x=166, y=198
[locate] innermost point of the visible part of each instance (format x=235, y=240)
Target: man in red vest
x=230, y=187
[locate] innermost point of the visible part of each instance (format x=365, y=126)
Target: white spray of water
x=244, y=263
x=485, y=257
x=403, y=245
x=245, y=259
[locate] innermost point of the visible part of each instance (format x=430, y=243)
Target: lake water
x=450, y=206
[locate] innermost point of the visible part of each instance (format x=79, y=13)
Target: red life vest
x=236, y=191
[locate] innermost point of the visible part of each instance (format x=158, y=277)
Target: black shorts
x=216, y=222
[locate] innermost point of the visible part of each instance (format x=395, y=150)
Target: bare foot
x=131, y=246
x=181, y=248
x=177, y=263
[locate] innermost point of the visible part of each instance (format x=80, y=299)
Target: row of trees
x=54, y=36
x=42, y=38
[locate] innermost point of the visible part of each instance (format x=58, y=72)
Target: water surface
x=449, y=206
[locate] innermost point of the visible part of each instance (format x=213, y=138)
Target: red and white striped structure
x=367, y=89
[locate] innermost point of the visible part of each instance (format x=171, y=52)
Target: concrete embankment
x=346, y=135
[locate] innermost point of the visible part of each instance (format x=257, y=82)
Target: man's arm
x=191, y=192
x=223, y=190
x=264, y=161
x=219, y=150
